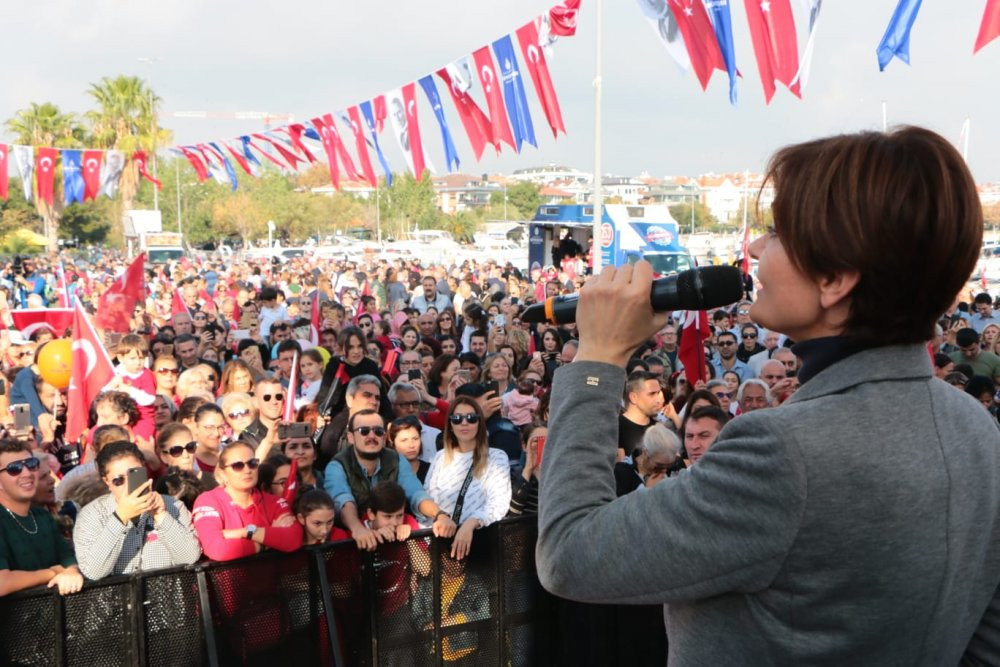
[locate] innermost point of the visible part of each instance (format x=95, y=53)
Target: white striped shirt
x=488, y=496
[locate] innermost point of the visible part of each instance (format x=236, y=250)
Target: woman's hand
x=135, y=503
x=443, y=526
x=463, y=539
x=284, y=521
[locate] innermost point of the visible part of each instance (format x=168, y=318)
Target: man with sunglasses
x=726, y=359
x=353, y=472
x=32, y=549
x=405, y=398
x=269, y=397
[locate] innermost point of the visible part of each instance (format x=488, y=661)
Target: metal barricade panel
x=27, y=630
x=98, y=624
x=172, y=621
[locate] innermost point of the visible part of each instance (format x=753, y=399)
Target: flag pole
x=598, y=83
x=885, y=117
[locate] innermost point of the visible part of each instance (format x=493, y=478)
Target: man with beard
x=353, y=472
x=727, y=361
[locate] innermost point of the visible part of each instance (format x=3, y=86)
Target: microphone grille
x=710, y=286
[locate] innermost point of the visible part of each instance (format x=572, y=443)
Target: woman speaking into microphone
x=857, y=522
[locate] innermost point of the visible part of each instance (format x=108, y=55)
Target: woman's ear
x=837, y=287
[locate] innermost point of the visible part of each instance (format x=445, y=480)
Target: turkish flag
x=3, y=172
x=199, y=167
x=177, y=305
x=772, y=31
x=475, y=122
x=45, y=169
x=381, y=112
x=116, y=306
x=292, y=483
x=413, y=127
x=990, y=27
x=92, y=174
x=55, y=319
x=328, y=135
x=494, y=97
x=140, y=162
x=92, y=370
x=692, y=348
x=314, y=321
x=534, y=58
x=291, y=158
x=288, y=409
x=281, y=165
x=362, y=147
x=699, y=38
x=562, y=18
x=295, y=131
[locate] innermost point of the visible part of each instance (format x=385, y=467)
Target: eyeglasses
x=22, y=355
x=365, y=430
x=15, y=468
x=470, y=418
x=239, y=414
x=238, y=466
x=177, y=450
x=168, y=371
x=278, y=397
x=725, y=343
x=407, y=404
x=210, y=378
x=742, y=312
x=212, y=427
x=750, y=335
x=444, y=319
x=118, y=481
x=723, y=394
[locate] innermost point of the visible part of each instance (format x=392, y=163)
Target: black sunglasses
x=238, y=466
x=177, y=450
x=236, y=414
x=15, y=468
x=470, y=418
x=365, y=430
x=277, y=397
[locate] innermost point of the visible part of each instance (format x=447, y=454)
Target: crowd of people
x=423, y=404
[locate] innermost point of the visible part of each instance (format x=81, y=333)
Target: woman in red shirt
x=236, y=519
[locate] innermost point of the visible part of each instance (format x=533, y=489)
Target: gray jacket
x=856, y=524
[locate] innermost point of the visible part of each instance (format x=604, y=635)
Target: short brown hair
x=131, y=342
x=884, y=205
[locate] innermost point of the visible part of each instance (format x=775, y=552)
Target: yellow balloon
x=55, y=362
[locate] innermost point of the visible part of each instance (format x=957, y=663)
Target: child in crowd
x=133, y=378
x=386, y=513
x=315, y=510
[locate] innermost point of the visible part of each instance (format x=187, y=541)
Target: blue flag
x=227, y=164
x=248, y=154
x=312, y=134
x=718, y=11
x=896, y=40
x=366, y=111
x=450, y=152
x=72, y=176
x=514, y=97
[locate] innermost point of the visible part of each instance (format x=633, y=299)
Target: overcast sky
x=308, y=58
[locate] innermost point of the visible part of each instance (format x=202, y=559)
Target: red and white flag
x=534, y=59
x=241, y=160
x=361, y=146
x=329, y=136
x=281, y=165
x=475, y=122
x=115, y=307
x=494, y=97
x=292, y=483
x=990, y=26
x=140, y=162
x=563, y=17
x=412, y=124
x=692, y=348
x=291, y=158
x=699, y=38
x=177, y=305
x=45, y=172
x=92, y=174
x=288, y=409
x=982, y=277
x=772, y=31
x=92, y=370
x=29, y=321
x=4, y=179
x=64, y=300
x=314, y=318
x=295, y=131
x=199, y=167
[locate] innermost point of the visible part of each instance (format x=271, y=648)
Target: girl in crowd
x=404, y=437
x=176, y=448
x=166, y=370
x=164, y=410
x=237, y=377
x=311, y=375
x=446, y=324
x=467, y=479
x=209, y=426
x=315, y=512
x=238, y=520
x=445, y=366
x=449, y=345
x=524, y=487
x=410, y=338
x=273, y=474
x=551, y=347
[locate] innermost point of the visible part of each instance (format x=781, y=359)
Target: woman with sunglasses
x=468, y=463
x=238, y=410
x=446, y=324
x=237, y=519
x=112, y=534
x=165, y=372
x=176, y=448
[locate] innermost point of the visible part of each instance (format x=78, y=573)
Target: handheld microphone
x=696, y=289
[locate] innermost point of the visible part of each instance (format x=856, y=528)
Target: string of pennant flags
x=506, y=119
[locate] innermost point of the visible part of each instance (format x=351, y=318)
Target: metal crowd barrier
x=406, y=604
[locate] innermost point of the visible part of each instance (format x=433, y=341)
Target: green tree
x=703, y=218
x=522, y=201
x=45, y=125
x=407, y=204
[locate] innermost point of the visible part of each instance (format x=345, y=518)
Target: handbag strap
x=457, y=514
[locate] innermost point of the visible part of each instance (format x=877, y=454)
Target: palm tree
x=126, y=120
x=45, y=125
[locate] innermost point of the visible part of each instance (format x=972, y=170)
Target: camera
x=18, y=265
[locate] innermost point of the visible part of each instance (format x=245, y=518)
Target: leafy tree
x=522, y=200
x=703, y=218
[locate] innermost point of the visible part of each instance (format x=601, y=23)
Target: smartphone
x=500, y=320
x=241, y=334
x=22, y=417
x=413, y=373
x=540, y=447
x=464, y=374
x=293, y=431
x=493, y=386
x=791, y=374
x=136, y=478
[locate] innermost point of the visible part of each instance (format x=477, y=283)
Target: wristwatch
x=251, y=529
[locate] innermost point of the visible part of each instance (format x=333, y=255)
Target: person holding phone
x=131, y=528
x=524, y=485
